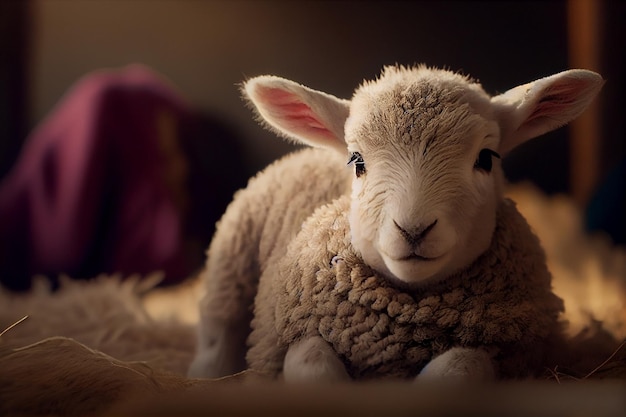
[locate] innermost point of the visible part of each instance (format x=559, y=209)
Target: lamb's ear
x=298, y=112
x=533, y=109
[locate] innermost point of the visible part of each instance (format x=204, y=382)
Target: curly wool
x=503, y=302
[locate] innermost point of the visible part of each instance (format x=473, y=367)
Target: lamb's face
x=423, y=144
x=426, y=183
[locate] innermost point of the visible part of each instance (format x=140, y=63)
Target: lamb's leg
x=460, y=364
x=221, y=350
x=230, y=283
x=224, y=319
x=311, y=360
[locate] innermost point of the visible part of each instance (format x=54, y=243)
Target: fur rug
x=97, y=344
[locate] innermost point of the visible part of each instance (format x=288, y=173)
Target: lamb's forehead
x=417, y=99
x=421, y=86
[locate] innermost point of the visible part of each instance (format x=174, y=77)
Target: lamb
x=411, y=264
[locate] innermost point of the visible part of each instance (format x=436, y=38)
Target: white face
x=426, y=184
x=425, y=198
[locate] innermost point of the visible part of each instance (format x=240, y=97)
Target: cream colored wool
x=261, y=224
x=503, y=301
x=258, y=228
x=424, y=201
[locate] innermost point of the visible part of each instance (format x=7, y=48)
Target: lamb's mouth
x=416, y=257
x=411, y=257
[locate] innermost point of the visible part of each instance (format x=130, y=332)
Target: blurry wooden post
x=584, y=20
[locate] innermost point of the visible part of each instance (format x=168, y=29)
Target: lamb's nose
x=417, y=235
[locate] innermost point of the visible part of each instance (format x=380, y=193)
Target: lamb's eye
x=484, y=161
x=359, y=163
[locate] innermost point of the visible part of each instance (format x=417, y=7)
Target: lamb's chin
x=415, y=270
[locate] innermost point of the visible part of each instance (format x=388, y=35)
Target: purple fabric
x=89, y=193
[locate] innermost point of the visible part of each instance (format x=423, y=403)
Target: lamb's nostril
x=417, y=235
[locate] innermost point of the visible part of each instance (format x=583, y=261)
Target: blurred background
x=205, y=48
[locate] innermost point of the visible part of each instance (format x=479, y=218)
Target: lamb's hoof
x=313, y=360
x=459, y=365
x=209, y=364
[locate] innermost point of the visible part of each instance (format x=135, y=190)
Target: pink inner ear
x=558, y=99
x=291, y=113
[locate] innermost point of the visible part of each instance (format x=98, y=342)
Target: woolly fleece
x=503, y=301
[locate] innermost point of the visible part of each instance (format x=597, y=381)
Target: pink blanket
x=98, y=185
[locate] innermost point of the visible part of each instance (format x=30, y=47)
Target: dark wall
x=207, y=47
x=613, y=62
x=14, y=24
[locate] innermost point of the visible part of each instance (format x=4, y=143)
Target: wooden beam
x=584, y=21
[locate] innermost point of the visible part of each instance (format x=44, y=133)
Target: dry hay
x=98, y=343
